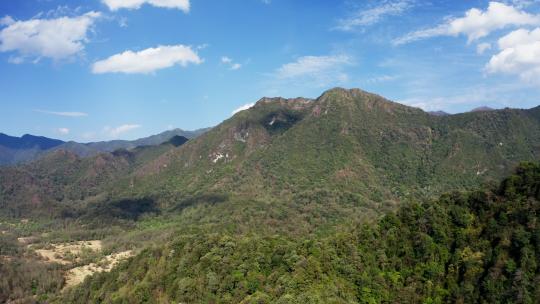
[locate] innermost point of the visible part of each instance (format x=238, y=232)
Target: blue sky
x=104, y=69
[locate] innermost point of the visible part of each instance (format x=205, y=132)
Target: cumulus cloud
x=319, y=70
x=66, y=114
x=7, y=20
x=148, y=60
x=519, y=54
x=522, y=3
x=366, y=17
x=482, y=47
x=382, y=78
x=232, y=65
x=136, y=4
x=242, y=108
x=57, y=38
x=115, y=132
x=63, y=131
x=476, y=23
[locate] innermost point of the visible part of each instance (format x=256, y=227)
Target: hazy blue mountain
x=15, y=150
x=27, y=147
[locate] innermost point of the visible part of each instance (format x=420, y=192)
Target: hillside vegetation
x=481, y=246
x=345, y=146
x=330, y=200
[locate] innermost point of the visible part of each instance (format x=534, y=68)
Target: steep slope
x=346, y=141
x=476, y=247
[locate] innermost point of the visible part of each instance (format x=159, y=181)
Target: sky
x=90, y=70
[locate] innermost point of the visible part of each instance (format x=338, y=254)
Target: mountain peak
x=365, y=100
x=353, y=92
x=482, y=109
x=439, y=113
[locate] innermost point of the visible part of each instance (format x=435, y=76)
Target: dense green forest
x=465, y=247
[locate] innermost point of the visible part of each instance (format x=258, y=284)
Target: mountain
x=438, y=113
x=345, y=145
x=482, y=109
x=19, y=149
x=28, y=141
x=329, y=200
x=351, y=140
x=92, y=148
x=14, y=150
x=60, y=181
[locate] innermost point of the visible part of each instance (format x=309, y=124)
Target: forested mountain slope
x=345, y=143
x=345, y=146
x=57, y=184
x=473, y=247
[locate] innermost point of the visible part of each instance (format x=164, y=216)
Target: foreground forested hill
x=473, y=247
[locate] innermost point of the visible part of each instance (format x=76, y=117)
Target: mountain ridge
x=14, y=150
x=345, y=142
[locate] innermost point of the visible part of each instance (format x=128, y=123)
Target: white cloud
x=16, y=59
x=63, y=131
x=522, y=3
x=382, y=78
x=52, y=38
x=67, y=114
x=88, y=135
x=7, y=20
x=242, y=108
x=122, y=22
x=232, y=65
x=482, y=47
x=319, y=70
x=136, y=4
x=476, y=23
x=117, y=131
x=148, y=60
x=366, y=17
x=519, y=55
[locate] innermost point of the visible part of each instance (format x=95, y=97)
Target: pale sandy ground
x=58, y=254
x=76, y=275
x=27, y=240
x=59, y=251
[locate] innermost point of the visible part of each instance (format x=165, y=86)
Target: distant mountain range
x=15, y=150
x=478, y=109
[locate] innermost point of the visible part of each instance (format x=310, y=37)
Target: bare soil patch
x=67, y=253
x=76, y=275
